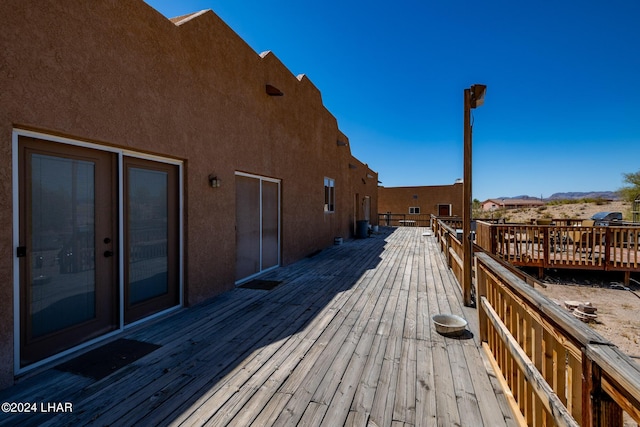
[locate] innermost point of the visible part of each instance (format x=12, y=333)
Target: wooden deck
x=564, y=246
x=345, y=339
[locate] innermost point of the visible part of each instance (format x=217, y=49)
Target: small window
x=414, y=210
x=329, y=195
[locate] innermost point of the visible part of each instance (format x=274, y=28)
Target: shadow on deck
x=345, y=339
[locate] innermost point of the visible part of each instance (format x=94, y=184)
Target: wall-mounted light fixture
x=477, y=95
x=341, y=143
x=214, y=181
x=273, y=91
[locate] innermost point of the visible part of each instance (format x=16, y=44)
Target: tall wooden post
x=467, y=203
x=473, y=98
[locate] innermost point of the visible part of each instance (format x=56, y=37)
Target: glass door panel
x=257, y=225
x=67, y=293
x=247, y=226
x=63, y=273
x=151, y=238
x=270, y=224
x=147, y=228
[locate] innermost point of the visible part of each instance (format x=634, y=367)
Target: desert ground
x=617, y=308
x=569, y=210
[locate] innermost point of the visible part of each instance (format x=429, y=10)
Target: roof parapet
x=179, y=20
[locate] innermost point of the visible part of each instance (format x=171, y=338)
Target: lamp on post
x=473, y=98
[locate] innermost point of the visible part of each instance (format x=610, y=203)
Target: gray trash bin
x=362, y=229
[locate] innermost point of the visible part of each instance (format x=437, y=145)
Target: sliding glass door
x=257, y=225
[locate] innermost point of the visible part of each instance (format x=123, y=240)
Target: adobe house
x=150, y=164
x=440, y=200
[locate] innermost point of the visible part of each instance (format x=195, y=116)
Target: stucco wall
x=363, y=183
x=399, y=199
x=118, y=73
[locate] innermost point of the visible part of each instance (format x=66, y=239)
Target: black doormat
x=264, y=285
x=107, y=359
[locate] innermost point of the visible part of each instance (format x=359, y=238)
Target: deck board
x=346, y=339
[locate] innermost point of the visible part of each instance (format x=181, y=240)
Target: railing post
x=481, y=289
x=610, y=413
x=608, y=237
x=493, y=236
x=546, y=249
x=598, y=408
x=447, y=240
x=590, y=392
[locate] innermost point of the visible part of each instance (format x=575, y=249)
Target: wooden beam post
x=467, y=203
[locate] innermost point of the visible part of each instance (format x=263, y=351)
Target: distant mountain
x=607, y=195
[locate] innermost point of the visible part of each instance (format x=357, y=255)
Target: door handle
x=108, y=254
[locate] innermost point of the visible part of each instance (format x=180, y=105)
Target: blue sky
x=562, y=109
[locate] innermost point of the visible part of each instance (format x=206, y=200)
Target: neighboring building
x=440, y=200
x=494, y=204
x=149, y=164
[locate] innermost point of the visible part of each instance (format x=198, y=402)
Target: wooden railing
x=563, y=246
x=454, y=222
x=558, y=371
x=533, y=221
x=450, y=245
x=404, y=220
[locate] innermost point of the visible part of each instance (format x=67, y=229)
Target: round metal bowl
x=449, y=324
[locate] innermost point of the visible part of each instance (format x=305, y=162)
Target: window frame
x=414, y=210
x=329, y=195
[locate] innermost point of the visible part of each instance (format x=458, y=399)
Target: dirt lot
x=573, y=210
x=618, y=309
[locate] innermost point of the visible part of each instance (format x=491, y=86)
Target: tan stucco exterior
x=398, y=200
x=117, y=73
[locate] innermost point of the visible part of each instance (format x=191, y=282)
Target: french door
x=68, y=239
x=151, y=238
x=85, y=268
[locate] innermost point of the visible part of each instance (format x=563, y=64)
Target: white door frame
x=279, y=182
x=121, y=153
